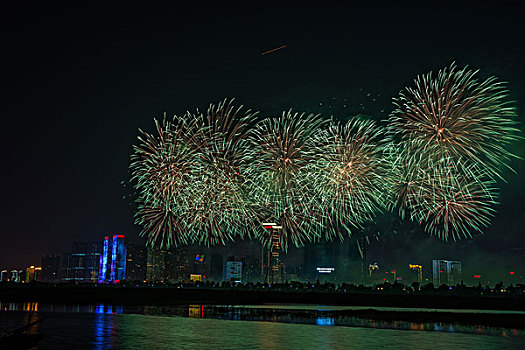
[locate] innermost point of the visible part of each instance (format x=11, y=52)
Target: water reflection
x=104, y=325
x=319, y=317
x=325, y=321
x=196, y=311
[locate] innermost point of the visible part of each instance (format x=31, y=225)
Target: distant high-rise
x=136, y=262
x=168, y=265
x=233, y=269
x=320, y=260
x=118, y=259
x=250, y=268
x=51, y=268
x=82, y=263
x=15, y=276
x=415, y=273
x=4, y=276
x=446, y=272
x=374, y=274
x=156, y=265
x=112, y=261
x=216, y=267
x=33, y=274
x=178, y=263
x=272, y=266
x=201, y=265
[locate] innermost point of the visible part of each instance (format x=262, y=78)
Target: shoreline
x=124, y=295
x=413, y=319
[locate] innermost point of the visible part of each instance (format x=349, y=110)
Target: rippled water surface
x=106, y=327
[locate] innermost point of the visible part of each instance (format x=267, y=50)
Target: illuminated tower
x=103, y=267
x=118, y=259
x=113, y=260
x=446, y=272
x=416, y=272
x=272, y=266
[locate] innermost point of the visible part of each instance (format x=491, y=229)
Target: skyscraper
x=168, y=265
x=156, y=265
x=446, y=272
x=250, y=268
x=51, y=268
x=136, y=262
x=4, y=276
x=15, y=276
x=216, y=267
x=112, y=262
x=320, y=260
x=33, y=274
x=82, y=263
x=233, y=270
x=118, y=259
x=415, y=273
x=272, y=267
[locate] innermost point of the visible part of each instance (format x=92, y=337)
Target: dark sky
x=79, y=82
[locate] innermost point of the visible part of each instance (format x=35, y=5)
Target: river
x=200, y=327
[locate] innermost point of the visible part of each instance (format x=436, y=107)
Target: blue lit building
x=233, y=270
x=112, y=266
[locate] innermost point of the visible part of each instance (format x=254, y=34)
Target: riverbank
x=120, y=295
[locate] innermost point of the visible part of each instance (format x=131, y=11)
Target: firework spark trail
x=273, y=50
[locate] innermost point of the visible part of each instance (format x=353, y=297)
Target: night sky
x=79, y=83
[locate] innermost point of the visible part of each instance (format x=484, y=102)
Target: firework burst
x=189, y=177
x=280, y=183
x=454, y=200
x=351, y=166
x=161, y=169
x=449, y=135
x=219, y=190
x=456, y=115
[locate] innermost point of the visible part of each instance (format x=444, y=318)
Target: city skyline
x=88, y=123
x=337, y=263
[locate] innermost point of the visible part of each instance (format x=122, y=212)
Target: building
x=320, y=259
x=272, y=267
x=118, y=259
x=180, y=258
x=201, y=265
x=112, y=261
x=136, y=262
x=33, y=274
x=4, y=276
x=217, y=266
x=156, y=265
x=82, y=263
x=51, y=268
x=233, y=270
x=374, y=274
x=446, y=272
x=250, y=269
x=415, y=273
x=16, y=276
x=168, y=264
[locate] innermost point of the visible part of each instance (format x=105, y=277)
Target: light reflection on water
x=117, y=327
